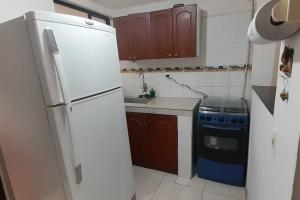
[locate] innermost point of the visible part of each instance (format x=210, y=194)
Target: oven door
x=223, y=144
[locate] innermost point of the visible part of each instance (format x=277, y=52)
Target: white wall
x=272, y=169
x=228, y=84
x=12, y=8
x=264, y=60
x=296, y=190
x=261, y=160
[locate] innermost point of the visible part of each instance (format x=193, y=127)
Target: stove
x=219, y=112
x=222, y=140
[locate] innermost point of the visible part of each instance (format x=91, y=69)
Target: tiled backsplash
x=218, y=83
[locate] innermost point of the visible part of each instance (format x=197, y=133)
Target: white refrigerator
x=63, y=132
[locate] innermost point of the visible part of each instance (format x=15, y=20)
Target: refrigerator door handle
x=77, y=164
x=58, y=65
x=52, y=45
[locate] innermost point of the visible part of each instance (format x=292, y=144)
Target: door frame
x=90, y=13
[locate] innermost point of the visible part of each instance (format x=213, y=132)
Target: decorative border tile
x=187, y=69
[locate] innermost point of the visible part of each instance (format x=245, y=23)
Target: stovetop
x=217, y=105
x=224, y=113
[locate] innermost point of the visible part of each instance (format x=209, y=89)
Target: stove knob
x=242, y=121
x=234, y=120
x=208, y=118
x=202, y=118
x=221, y=119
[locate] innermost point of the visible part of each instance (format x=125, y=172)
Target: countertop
x=267, y=96
x=165, y=105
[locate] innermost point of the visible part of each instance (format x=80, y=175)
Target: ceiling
x=117, y=4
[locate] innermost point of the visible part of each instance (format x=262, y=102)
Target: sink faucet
x=144, y=85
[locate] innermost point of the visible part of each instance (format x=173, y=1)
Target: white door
x=100, y=138
x=88, y=55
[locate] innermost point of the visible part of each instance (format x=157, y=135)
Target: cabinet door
x=184, y=31
x=122, y=30
x=140, y=36
x=163, y=143
x=138, y=137
x=162, y=33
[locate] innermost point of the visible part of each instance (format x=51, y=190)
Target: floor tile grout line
x=156, y=189
x=163, y=176
x=202, y=194
x=204, y=185
x=221, y=195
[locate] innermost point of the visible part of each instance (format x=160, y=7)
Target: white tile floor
x=156, y=185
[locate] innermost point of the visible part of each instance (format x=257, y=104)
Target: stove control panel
x=223, y=119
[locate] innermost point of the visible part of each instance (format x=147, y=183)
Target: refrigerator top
x=68, y=19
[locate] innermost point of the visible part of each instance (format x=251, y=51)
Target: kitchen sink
x=137, y=100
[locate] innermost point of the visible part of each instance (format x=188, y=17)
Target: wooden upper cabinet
x=163, y=140
x=170, y=33
x=123, y=37
x=140, y=31
x=162, y=34
x=184, y=31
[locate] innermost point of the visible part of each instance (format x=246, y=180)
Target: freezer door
x=88, y=59
x=100, y=138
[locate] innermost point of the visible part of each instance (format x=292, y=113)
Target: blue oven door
x=222, y=154
x=223, y=144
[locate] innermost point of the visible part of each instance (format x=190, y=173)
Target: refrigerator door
x=100, y=138
x=86, y=52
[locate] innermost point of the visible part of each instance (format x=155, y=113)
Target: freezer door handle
x=77, y=164
x=57, y=61
x=55, y=54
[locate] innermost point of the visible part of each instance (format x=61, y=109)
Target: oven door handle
x=222, y=128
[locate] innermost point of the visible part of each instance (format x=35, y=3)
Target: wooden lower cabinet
x=154, y=141
x=138, y=138
x=163, y=140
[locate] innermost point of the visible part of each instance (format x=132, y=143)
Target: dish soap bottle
x=152, y=92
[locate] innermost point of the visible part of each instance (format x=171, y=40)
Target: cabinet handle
x=130, y=57
x=134, y=57
x=170, y=55
x=176, y=55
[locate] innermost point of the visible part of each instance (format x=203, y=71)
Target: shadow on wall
x=203, y=34
x=296, y=190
